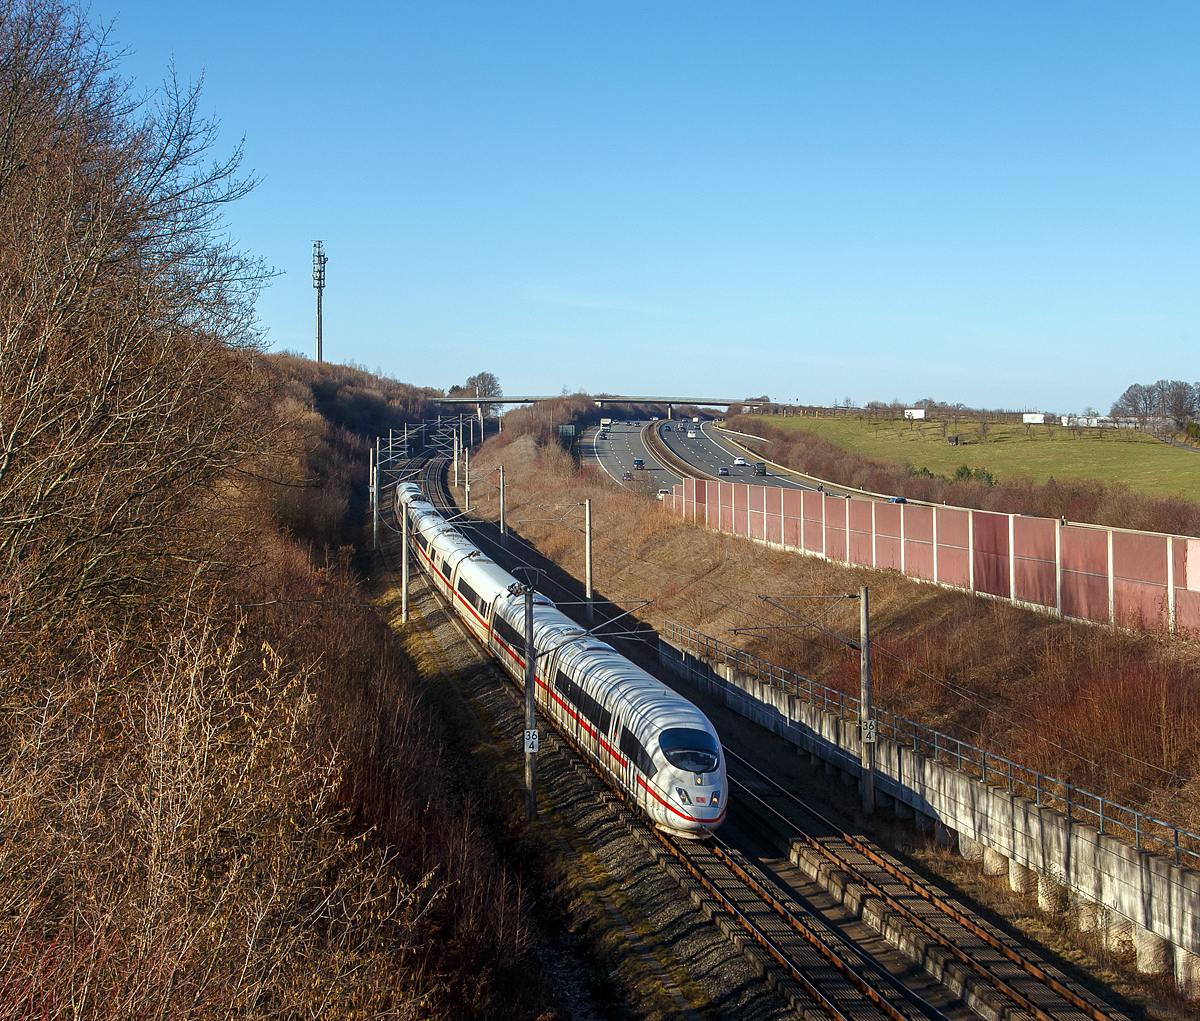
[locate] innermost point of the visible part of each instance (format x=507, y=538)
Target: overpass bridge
x=599, y=399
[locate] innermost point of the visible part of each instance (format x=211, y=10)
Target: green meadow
x=1144, y=464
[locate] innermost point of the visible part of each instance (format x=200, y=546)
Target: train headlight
x=715, y=799
x=683, y=795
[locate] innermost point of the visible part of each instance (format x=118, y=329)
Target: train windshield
x=692, y=750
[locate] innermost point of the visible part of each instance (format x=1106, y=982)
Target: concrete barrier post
x=1020, y=878
x=994, y=863
x=1187, y=974
x=1052, y=895
x=1153, y=952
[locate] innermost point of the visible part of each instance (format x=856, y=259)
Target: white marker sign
x=531, y=741
x=868, y=731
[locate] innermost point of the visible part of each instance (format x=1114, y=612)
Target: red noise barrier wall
x=1141, y=580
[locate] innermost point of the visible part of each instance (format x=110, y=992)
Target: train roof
x=486, y=576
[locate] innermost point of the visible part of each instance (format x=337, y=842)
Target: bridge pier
x=970, y=850
x=1117, y=932
x=1087, y=913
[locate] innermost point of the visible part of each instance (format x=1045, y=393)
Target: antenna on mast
x=318, y=276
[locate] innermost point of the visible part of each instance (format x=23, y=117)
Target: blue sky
x=988, y=203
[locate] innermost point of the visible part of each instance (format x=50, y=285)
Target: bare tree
x=1136, y=402
x=1173, y=399
x=1177, y=401
x=486, y=384
x=126, y=324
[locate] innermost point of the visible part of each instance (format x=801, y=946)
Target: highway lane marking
x=600, y=461
x=790, y=482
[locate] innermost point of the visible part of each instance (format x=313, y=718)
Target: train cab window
x=691, y=750
x=512, y=637
x=588, y=707
x=633, y=750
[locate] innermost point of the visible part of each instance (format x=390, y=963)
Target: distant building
x=1102, y=422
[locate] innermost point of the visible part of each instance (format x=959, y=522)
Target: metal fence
x=1137, y=828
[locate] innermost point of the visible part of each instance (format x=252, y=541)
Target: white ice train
x=653, y=743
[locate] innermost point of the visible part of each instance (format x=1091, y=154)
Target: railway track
x=1019, y=979
x=814, y=967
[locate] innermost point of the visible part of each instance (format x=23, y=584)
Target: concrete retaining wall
x=1156, y=901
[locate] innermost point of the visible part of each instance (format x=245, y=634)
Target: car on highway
x=722, y=470
x=638, y=464
x=760, y=468
x=627, y=476
x=691, y=434
x=666, y=428
x=897, y=499
x=664, y=493
x=739, y=460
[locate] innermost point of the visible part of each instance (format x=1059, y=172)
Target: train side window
x=470, y=595
x=446, y=569
x=422, y=541
x=510, y=634
x=589, y=708
x=634, y=751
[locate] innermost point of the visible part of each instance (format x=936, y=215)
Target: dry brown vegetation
x=1075, y=499
x=1115, y=713
x=225, y=789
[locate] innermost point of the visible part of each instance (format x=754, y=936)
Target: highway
x=707, y=452
x=616, y=454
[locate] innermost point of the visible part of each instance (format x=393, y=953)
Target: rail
x=1144, y=831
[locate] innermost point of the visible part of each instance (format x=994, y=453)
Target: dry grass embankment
x=1115, y=713
x=212, y=809
x=224, y=791
x=1121, y=481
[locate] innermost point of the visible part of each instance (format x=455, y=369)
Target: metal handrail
x=1111, y=818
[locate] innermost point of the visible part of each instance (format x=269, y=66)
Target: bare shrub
x=206, y=811
x=168, y=837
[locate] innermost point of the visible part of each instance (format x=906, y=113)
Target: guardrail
x=1137, y=828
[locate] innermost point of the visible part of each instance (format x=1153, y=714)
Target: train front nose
x=701, y=797
x=695, y=773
